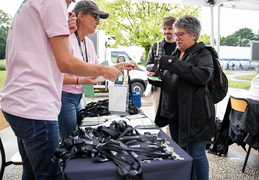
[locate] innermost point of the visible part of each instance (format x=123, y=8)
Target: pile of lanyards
x=120, y=143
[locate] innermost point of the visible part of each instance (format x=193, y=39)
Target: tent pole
x=218, y=34
x=212, y=26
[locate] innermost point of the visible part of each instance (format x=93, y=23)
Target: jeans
x=67, y=119
x=196, y=149
x=37, y=141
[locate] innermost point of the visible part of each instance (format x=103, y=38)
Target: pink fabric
x=92, y=58
x=33, y=84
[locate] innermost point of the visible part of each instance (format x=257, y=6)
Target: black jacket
x=189, y=76
x=151, y=65
x=152, y=53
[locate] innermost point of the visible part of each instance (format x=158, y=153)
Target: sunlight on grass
x=239, y=84
x=246, y=77
x=228, y=72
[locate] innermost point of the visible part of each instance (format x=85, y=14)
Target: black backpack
x=218, y=85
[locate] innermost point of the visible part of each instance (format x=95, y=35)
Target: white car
x=138, y=76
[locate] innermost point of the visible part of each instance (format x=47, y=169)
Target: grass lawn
x=239, y=84
x=228, y=72
x=247, y=77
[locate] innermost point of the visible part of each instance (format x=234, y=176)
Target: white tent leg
x=212, y=26
x=218, y=34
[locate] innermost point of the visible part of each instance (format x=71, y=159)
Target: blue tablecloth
x=84, y=168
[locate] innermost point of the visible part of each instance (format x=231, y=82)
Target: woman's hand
x=157, y=58
x=72, y=22
x=89, y=80
x=151, y=73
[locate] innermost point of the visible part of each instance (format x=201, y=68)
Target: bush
x=2, y=67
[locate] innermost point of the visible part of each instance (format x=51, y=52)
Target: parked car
x=138, y=76
x=109, y=55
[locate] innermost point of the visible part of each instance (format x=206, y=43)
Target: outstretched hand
x=127, y=65
x=111, y=73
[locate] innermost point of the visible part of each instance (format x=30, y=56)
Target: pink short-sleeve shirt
x=33, y=84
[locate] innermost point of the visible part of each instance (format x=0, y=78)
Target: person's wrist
x=117, y=66
x=80, y=81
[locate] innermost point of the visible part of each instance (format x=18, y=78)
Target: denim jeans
x=67, y=119
x=197, y=150
x=37, y=141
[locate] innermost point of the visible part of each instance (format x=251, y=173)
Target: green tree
x=139, y=22
x=5, y=20
x=229, y=40
x=241, y=38
x=205, y=38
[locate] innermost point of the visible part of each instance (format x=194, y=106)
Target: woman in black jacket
x=183, y=105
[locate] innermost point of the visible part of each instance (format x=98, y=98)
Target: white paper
x=118, y=95
x=140, y=121
x=135, y=116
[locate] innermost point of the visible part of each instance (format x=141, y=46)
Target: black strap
x=207, y=100
x=79, y=43
x=130, y=84
x=119, y=142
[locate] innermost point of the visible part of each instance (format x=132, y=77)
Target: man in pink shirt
x=37, y=55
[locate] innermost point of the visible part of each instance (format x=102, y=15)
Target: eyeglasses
x=180, y=34
x=96, y=16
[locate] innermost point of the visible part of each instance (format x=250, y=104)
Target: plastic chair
x=240, y=105
x=15, y=159
x=232, y=128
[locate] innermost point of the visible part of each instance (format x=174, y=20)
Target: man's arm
x=67, y=63
x=80, y=80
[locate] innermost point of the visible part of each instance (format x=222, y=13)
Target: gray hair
x=190, y=23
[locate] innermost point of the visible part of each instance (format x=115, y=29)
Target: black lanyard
x=79, y=43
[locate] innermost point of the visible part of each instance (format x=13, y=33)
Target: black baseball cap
x=89, y=6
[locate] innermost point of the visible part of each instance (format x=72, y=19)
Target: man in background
x=163, y=47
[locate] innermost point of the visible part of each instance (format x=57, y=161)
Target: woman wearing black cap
x=37, y=56
x=88, y=18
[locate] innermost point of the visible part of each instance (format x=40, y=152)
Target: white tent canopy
x=237, y=4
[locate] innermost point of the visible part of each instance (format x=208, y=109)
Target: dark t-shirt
x=169, y=48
